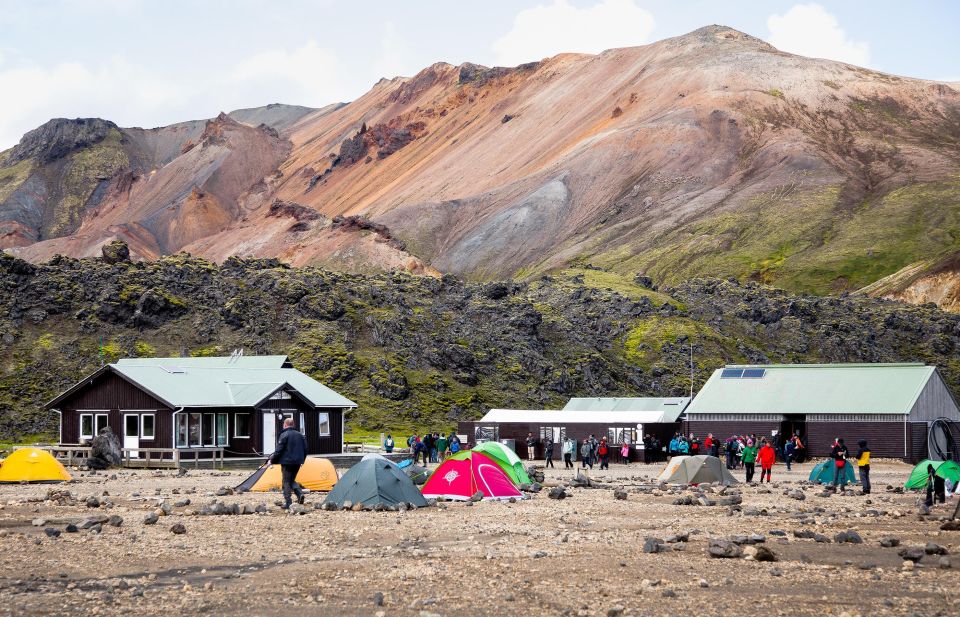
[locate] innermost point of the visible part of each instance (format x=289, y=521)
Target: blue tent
x=822, y=473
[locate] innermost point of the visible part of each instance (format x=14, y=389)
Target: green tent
x=506, y=458
x=948, y=470
x=375, y=481
x=822, y=472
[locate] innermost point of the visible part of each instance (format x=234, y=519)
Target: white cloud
x=809, y=30
x=306, y=75
x=33, y=94
x=546, y=30
x=395, y=57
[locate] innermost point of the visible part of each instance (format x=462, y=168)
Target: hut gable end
x=109, y=391
x=934, y=401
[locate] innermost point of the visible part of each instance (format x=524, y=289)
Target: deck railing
x=74, y=454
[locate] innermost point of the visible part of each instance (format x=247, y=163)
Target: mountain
x=709, y=154
x=417, y=352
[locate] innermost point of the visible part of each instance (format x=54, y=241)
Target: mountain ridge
x=711, y=153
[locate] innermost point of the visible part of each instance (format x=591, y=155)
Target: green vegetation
x=86, y=168
x=12, y=177
x=616, y=283
x=775, y=92
x=144, y=349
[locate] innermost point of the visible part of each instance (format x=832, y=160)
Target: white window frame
x=179, y=417
x=323, y=417
x=153, y=425
x=212, y=437
x=96, y=423
x=236, y=425
x=226, y=430
x=93, y=426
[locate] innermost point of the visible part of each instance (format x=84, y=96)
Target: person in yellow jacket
x=863, y=463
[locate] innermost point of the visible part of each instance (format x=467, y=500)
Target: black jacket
x=291, y=448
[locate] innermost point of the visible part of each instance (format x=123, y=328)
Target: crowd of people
x=429, y=447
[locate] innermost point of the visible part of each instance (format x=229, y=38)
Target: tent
x=377, y=456
x=417, y=473
x=405, y=463
x=32, y=465
x=316, y=474
x=465, y=473
x=506, y=458
x=698, y=469
x=822, y=472
x=948, y=470
x=375, y=481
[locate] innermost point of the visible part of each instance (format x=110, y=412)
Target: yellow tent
x=316, y=474
x=32, y=465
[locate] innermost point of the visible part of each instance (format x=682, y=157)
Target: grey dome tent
x=375, y=481
x=698, y=469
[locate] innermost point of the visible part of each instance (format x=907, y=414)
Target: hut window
x=209, y=436
x=147, y=429
x=86, y=426
x=222, y=429
x=324, y=423
x=182, y=430
x=486, y=433
x=303, y=425
x=556, y=433
x=241, y=425
x=194, y=429
x=620, y=435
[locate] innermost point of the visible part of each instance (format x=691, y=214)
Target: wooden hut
x=237, y=403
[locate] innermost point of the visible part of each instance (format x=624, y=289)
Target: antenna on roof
x=234, y=355
x=690, y=340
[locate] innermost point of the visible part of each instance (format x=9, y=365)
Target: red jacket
x=767, y=456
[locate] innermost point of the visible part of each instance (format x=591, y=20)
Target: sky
x=151, y=63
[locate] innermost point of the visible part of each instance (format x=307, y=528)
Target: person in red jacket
x=767, y=457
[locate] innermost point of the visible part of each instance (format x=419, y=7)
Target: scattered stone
x=557, y=492
x=934, y=549
x=724, y=549
x=51, y=532
x=849, y=537
x=115, y=521
x=911, y=554
x=944, y=563
x=653, y=545
x=478, y=496
x=71, y=528
x=151, y=518
x=178, y=529
x=764, y=554
x=889, y=542
x=620, y=494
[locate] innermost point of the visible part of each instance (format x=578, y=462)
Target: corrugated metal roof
x=814, y=389
x=215, y=384
x=562, y=417
x=621, y=403
x=210, y=362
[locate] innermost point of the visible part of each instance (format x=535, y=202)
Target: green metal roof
x=815, y=389
x=211, y=361
x=218, y=385
x=668, y=406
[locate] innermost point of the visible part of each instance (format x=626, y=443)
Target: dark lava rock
x=59, y=137
x=889, y=542
x=178, y=529
x=557, y=492
x=653, y=545
x=115, y=252
x=934, y=549
x=620, y=494
x=151, y=518
x=911, y=554
x=849, y=537
x=724, y=549
x=764, y=554
x=51, y=532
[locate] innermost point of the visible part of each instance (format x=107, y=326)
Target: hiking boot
x=300, y=499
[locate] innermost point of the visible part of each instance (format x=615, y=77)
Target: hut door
x=131, y=433
x=269, y=433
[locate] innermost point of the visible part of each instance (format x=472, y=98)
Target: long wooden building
x=889, y=405
x=620, y=419
x=236, y=403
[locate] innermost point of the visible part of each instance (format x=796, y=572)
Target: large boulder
x=105, y=450
x=115, y=252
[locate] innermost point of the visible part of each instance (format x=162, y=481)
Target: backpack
x=602, y=451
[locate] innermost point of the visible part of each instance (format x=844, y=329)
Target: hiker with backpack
x=548, y=450
x=290, y=454
x=767, y=457
x=749, y=457
x=863, y=464
x=569, y=448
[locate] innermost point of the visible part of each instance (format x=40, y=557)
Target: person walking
x=388, y=444
x=863, y=465
x=586, y=454
x=603, y=453
x=839, y=454
x=531, y=447
x=749, y=458
x=625, y=453
x=569, y=447
x=767, y=456
x=548, y=450
x=788, y=449
x=290, y=454
x=442, y=446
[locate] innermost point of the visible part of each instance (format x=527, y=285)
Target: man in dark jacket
x=290, y=454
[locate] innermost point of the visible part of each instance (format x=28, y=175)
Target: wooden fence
x=71, y=454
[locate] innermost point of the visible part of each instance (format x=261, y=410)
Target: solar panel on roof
x=731, y=373
x=754, y=373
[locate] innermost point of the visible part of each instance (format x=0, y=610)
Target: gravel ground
x=583, y=555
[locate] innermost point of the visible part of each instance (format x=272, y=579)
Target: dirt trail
x=579, y=556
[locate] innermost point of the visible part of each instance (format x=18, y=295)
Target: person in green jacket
x=749, y=458
x=441, y=447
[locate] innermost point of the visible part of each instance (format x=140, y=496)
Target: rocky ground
x=588, y=554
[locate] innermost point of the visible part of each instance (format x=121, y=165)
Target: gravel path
x=583, y=555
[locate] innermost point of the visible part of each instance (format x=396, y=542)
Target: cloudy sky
x=149, y=63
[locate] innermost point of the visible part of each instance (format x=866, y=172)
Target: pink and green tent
x=461, y=476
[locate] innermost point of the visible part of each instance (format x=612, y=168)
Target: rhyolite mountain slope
x=421, y=352
x=707, y=154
